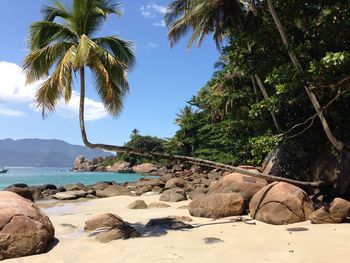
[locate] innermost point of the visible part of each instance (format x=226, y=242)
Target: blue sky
x=162, y=81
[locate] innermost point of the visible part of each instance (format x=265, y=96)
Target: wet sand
x=240, y=242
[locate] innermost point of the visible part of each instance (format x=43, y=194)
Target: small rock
x=212, y=240
x=173, y=195
x=138, y=204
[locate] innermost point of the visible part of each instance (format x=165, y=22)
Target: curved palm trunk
x=193, y=160
x=266, y=97
x=336, y=143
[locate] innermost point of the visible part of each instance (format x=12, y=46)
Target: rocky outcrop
x=280, y=203
x=217, y=205
x=24, y=228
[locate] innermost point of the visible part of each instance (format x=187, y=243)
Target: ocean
x=60, y=176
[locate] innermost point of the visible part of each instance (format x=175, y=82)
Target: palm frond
x=57, y=10
x=36, y=64
x=44, y=33
x=111, y=84
x=58, y=85
x=122, y=50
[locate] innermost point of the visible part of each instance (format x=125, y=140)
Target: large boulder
x=24, y=228
x=245, y=185
x=113, y=190
x=103, y=220
x=173, y=195
x=339, y=210
x=119, y=166
x=217, y=205
x=145, y=168
x=280, y=203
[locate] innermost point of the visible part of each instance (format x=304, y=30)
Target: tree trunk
x=337, y=144
x=266, y=97
x=121, y=149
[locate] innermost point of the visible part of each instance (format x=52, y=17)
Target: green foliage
x=229, y=119
x=142, y=144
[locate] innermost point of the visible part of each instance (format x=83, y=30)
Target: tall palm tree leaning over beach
x=65, y=42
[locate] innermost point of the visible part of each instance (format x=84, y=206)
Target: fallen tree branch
x=206, y=163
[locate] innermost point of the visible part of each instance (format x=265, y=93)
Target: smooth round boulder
x=280, y=203
x=339, y=210
x=217, y=205
x=24, y=228
x=103, y=220
x=245, y=185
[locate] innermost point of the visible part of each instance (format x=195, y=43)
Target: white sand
x=242, y=242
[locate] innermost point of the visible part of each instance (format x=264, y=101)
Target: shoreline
x=259, y=242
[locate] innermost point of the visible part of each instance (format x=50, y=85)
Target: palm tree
x=65, y=43
x=221, y=17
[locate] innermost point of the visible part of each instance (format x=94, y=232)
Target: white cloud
x=8, y=112
x=14, y=90
x=152, y=10
x=12, y=84
x=93, y=110
x=153, y=45
x=160, y=23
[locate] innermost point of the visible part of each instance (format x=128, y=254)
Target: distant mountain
x=43, y=153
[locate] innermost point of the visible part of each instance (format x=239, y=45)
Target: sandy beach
x=242, y=242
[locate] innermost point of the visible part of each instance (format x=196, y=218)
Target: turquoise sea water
x=60, y=176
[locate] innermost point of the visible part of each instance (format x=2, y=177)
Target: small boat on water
x=3, y=171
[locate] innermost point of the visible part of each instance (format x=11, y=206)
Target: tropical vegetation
x=282, y=77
